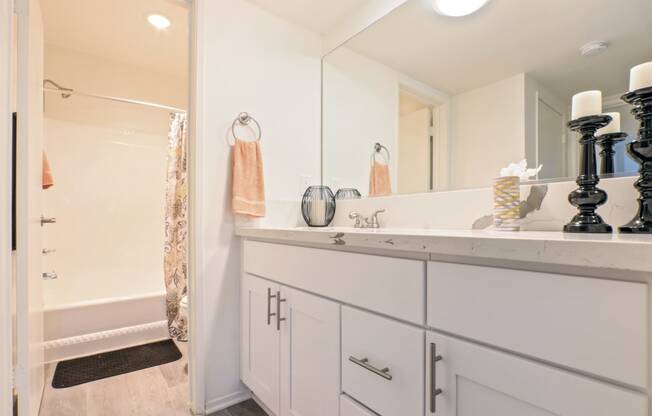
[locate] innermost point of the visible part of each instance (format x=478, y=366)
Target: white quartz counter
x=617, y=252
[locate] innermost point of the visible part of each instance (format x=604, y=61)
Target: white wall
x=361, y=107
x=109, y=165
x=247, y=60
x=487, y=132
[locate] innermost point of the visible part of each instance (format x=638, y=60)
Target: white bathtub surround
x=86, y=328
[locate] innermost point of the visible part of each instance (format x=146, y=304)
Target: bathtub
x=86, y=328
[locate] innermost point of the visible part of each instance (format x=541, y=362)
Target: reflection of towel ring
x=244, y=119
x=378, y=148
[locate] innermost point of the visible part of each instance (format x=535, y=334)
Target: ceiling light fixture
x=158, y=21
x=594, y=48
x=458, y=8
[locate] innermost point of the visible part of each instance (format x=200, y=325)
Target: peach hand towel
x=48, y=179
x=248, y=181
x=379, y=180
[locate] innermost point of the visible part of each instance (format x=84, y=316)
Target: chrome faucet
x=363, y=222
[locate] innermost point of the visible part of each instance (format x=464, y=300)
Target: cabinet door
x=478, y=381
x=260, y=340
x=310, y=355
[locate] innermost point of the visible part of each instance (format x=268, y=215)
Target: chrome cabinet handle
x=364, y=363
x=269, y=306
x=434, y=391
x=49, y=276
x=47, y=251
x=46, y=220
x=278, y=310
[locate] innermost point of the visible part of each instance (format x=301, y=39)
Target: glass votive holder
x=318, y=206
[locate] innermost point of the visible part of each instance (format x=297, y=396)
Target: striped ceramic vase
x=507, y=203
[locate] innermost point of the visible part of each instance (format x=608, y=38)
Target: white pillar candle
x=613, y=127
x=587, y=103
x=640, y=76
x=318, y=212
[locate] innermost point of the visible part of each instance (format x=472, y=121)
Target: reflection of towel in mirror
x=47, y=179
x=248, y=181
x=379, y=180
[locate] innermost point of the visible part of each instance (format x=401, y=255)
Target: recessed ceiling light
x=458, y=8
x=158, y=21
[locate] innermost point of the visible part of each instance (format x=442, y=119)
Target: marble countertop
x=615, y=252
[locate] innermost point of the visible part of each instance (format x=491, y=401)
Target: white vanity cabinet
x=260, y=343
x=290, y=348
x=466, y=379
x=333, y=333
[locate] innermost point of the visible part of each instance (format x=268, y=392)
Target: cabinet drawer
x=391, y=286
x=593, y=325
x=377, y=343
x=350, y=408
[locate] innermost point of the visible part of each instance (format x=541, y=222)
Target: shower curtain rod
x=67, y=92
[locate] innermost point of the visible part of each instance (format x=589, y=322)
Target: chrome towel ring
x=378, y=150
x=244, y=119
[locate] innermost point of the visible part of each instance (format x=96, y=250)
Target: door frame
x=196, y=112
x=6, y=324
x=196, y=376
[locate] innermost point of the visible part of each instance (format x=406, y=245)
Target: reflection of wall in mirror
x=487, y=132
x=414, y=170
x=361, y=107
x=502, y=123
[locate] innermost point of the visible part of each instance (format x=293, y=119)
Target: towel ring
x=244, y=119
x=378, y=148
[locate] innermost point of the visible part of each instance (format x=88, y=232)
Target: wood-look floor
x=155, y=391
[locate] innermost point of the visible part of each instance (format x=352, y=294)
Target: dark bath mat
x=96, y=367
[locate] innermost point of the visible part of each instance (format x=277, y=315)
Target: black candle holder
x=607, y=143
x=641, y=151
x=588, y=197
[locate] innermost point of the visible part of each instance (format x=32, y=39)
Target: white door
x=479, y=381
x=29, y=294
x=310, y=355
x=414, y=152
x=260, y=339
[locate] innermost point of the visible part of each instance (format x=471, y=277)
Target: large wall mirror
x=421, y=101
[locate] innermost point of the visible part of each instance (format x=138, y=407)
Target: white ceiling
x=319, y=16
x=508, y=37
x=118, y=30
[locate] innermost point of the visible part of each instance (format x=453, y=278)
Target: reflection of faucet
x=362, y=222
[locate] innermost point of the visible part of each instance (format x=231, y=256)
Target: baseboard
x=97, y=342
x=220, y=403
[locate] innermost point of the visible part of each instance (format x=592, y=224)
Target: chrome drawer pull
x=434, y=391
x=269, y=306
x=364, y=363
x=278, y=311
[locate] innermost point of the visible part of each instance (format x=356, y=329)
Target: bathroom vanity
x=424, y=322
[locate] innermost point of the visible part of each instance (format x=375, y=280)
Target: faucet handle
x=357, y=217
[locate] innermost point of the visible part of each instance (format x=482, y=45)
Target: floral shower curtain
x=176, y=227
